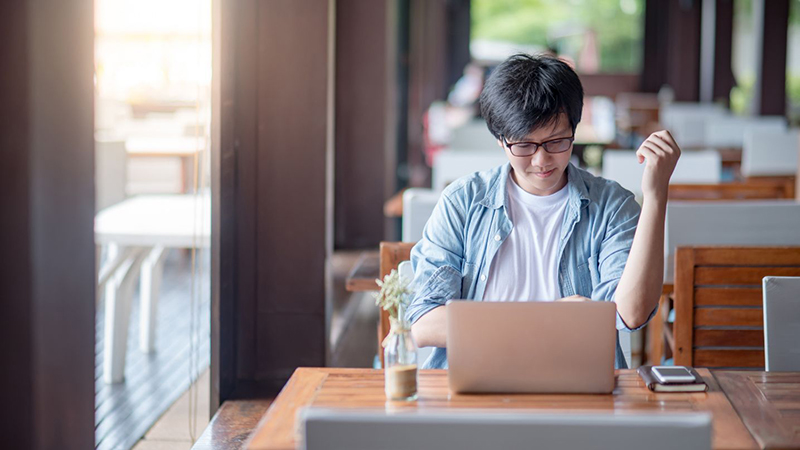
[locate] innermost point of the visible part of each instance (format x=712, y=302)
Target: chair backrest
x=481, y=429
x=671, y=112
x=729, y=223
x=782, y=323
x=391, y=255
x=698, y=167
x=770, y=152
x=418, y=204
x=729, y=131
x=473, y=135
x=111, y=172
x=718, y=303
x=451, y=164
x=687, y=121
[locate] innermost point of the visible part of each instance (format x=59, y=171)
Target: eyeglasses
x=559, y=145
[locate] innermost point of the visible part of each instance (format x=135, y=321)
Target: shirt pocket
x=467, y=278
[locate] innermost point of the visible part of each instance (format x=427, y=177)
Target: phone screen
x=674, y=372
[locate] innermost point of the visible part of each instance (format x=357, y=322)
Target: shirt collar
x=497, y=196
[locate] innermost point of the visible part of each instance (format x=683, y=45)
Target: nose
x=541, y=158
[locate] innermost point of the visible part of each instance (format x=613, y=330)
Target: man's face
x=542, y=173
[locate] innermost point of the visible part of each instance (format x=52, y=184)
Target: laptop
x=531, y=347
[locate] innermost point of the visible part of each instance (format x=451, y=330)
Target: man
x=539, y=228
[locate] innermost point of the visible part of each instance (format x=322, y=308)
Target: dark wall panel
x=724, y=80
x=672, y=47
x=365, y=131
x=683, y=52
x=773, y=61
x=47, y=269
x=427, y=77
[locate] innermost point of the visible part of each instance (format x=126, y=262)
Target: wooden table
x=768, y=403
x=363, y=388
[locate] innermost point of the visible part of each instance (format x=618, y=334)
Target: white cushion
x=770, y=152
x=729, y=131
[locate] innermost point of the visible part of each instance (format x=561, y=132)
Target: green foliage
x=393, y=298
x=618, y=24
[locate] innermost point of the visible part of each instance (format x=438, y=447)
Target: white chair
x=418, y=204
x=110, y=172
x=490, y=429
x=759, y=222
x=770, y=152
x=781, y=323
x=670, y=112
x=451, y=164
x=687, y=121
x=694, y=167
x=473, y=135
x=729, y=131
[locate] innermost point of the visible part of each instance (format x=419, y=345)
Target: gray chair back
x=483, y=429
x=735, y=223
x=781, y=323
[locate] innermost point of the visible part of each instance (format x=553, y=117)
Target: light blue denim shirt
x=470, y=223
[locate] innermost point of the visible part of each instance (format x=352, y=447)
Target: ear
x=500, y=144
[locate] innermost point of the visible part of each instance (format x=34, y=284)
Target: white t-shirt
x=525, y=267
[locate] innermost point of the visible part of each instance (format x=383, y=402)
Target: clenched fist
x=661, y=153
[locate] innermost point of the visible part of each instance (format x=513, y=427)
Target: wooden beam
x=47, y=272
x=276, y=191
x=771, y=27
x=366, y=141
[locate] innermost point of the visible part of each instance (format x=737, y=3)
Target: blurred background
x=201, y=187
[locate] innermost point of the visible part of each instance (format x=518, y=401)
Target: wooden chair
x=718, y=304
x=751, y=189
x=391, y=255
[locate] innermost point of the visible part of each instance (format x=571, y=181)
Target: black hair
x=528, y=92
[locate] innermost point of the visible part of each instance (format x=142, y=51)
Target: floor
x=172, y=431
x=124, y=412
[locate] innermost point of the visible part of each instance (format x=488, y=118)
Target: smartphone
x=673, y=374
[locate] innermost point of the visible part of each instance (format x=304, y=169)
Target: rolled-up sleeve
x=437, y=260
x=613, y=255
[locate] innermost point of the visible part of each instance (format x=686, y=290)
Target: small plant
x=392, y=298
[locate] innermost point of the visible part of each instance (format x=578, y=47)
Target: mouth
x=544, y=174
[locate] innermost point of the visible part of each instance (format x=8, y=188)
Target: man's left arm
x=641, y=283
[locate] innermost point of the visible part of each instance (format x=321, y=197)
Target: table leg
x=118, y=299
x=149, y=286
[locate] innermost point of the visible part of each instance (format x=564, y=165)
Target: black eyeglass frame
x=536, y=145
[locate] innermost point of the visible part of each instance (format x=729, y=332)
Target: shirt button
x=483, y=277
x=496, y=237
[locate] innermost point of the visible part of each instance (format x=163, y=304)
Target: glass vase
x=400, y=365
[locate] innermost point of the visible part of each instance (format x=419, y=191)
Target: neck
x=531, y=189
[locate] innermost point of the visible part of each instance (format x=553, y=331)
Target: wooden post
x=47, y=205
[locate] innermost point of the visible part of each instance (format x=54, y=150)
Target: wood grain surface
x=363, y=389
